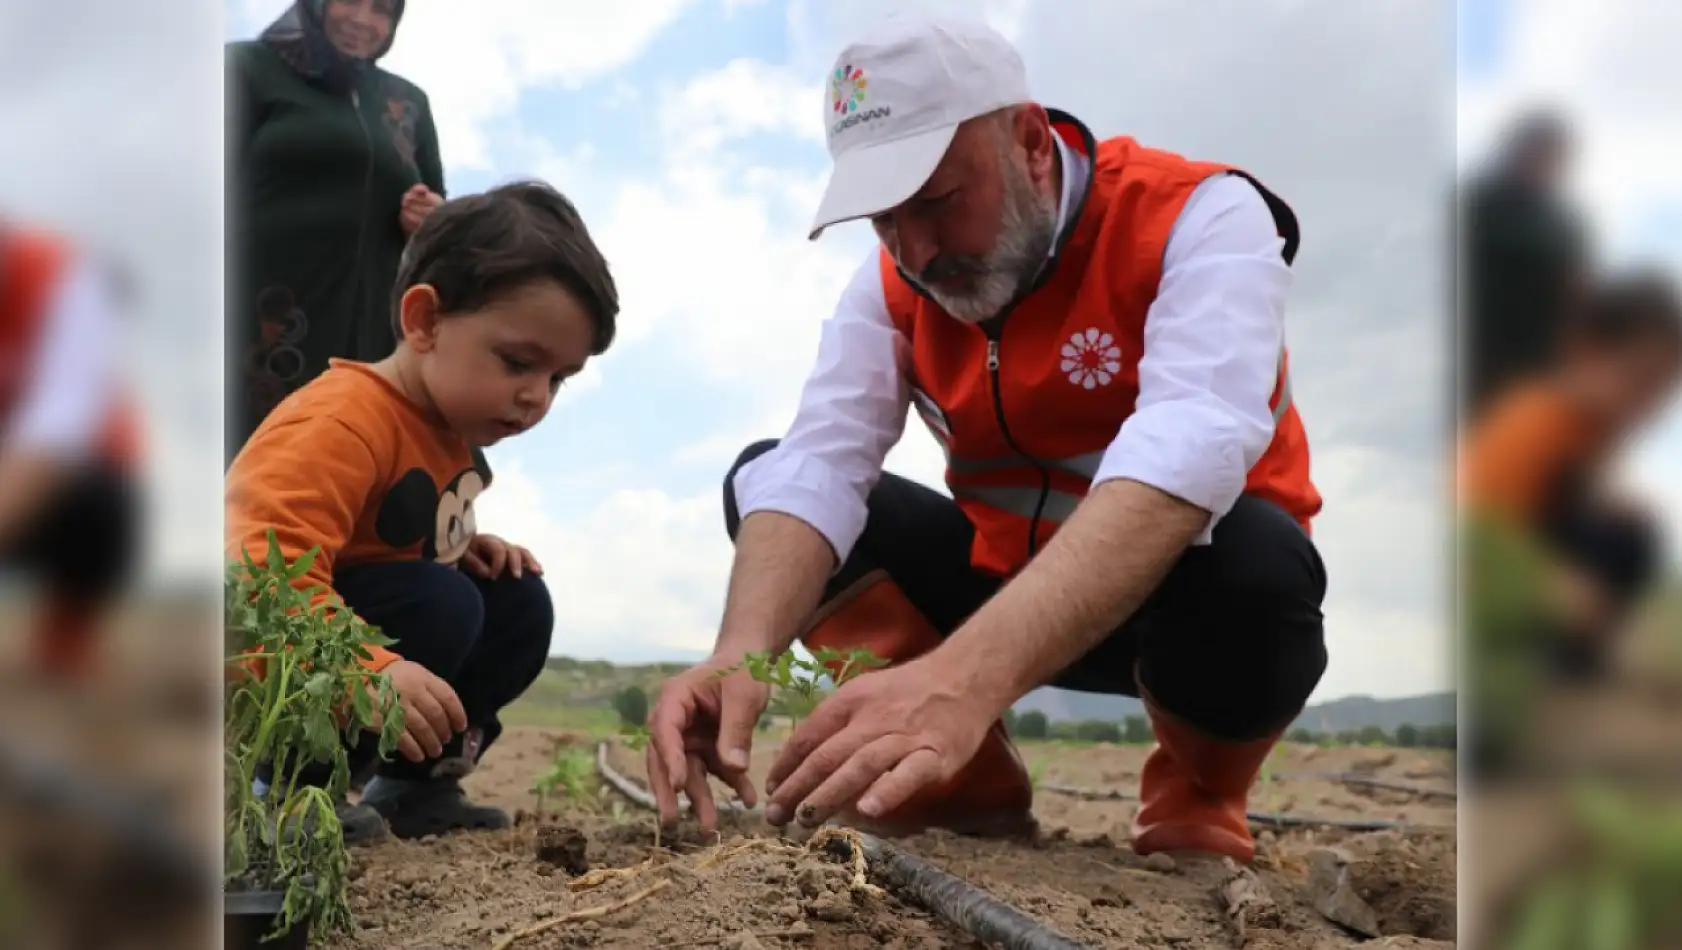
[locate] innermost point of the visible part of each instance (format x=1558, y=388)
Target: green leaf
x=361, y=707
x=320, y=685
x=277, y=558
x=302, y=565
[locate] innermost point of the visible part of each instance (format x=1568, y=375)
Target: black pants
x=85, y=543
x=1620, y=550
x=1232, y=641
x=487, y=639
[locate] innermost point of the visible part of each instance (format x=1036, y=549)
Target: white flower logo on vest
x=1091, y=359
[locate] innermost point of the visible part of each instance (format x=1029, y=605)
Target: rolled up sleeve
x=1213, y=343
x=852, y=411
x=62, y=413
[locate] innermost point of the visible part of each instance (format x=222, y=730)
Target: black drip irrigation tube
x=1368, y=781
x=947, y=896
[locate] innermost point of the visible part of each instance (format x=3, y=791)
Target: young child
x=1536, y=462
x=500, y=298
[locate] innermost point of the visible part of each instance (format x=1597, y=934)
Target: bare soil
x=746, y=889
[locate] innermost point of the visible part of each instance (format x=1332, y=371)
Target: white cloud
x=476, y=60
x=706, y=268
x=743, y=98
x=640, y=568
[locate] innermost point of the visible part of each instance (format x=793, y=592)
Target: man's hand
x=432, y=713
x=488, y=554
x=703, y=723
x=876, y=741
x=418, y=202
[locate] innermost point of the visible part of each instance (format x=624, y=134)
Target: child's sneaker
x=361, y=824
x=415, y=808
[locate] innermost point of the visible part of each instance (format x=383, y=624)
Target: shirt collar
x=1076, y=167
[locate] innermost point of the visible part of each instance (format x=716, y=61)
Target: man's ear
x=418, y=315
x=1033, y=132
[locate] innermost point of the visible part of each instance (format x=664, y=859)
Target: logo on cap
x=847, y=88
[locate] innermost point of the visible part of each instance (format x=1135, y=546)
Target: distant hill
x=571, y=682
x=1338, y=715
x=1359, y=712
x=568, y=681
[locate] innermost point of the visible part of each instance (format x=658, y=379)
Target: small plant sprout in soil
x=797, y=683
x=297, y=695
x=571, y=779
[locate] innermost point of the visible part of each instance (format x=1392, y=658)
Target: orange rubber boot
x=992, y=795
x=66, y=642
x=1194, y=793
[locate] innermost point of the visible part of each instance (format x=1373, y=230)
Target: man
x=1526, y=262
x=1094, y=333
x=68, y=512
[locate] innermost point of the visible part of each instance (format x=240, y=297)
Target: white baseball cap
x=895, y=99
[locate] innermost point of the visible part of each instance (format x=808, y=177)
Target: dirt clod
x=836, y=910
x=1160, y=863
x=565, y=847
x=1333, y=893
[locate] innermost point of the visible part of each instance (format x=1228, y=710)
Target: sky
x=689, y=133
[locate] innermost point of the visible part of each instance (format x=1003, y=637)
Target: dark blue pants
x=487, y=639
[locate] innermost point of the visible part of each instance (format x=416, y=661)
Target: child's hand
x=432, y=713
x=488, y=554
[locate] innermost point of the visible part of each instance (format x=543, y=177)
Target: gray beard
x=1027, y=234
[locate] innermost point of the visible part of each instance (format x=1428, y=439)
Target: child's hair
x=1639, y=307
x=475, y=248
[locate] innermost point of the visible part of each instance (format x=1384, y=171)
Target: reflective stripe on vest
x=1059, y=505
x=1284, y=391
x=1081, y=466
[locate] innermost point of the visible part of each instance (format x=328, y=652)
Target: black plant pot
x=250, y=916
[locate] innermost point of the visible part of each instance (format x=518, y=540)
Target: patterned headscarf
x=300, y=39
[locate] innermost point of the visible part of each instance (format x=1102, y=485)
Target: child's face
x=493, y=372
x=1629, y=384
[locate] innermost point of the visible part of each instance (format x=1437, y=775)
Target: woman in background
x=333, y=163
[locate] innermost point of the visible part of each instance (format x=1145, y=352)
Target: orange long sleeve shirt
x=1519, y=456
x=350, y=464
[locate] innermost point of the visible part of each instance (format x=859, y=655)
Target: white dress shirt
x=62, y=411
x=1212, y=344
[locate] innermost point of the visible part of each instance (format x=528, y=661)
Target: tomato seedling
x=797, y=684
x=297, y=695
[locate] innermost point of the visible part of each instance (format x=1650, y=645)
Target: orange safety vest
x=1025, y=407
x=31, y=267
